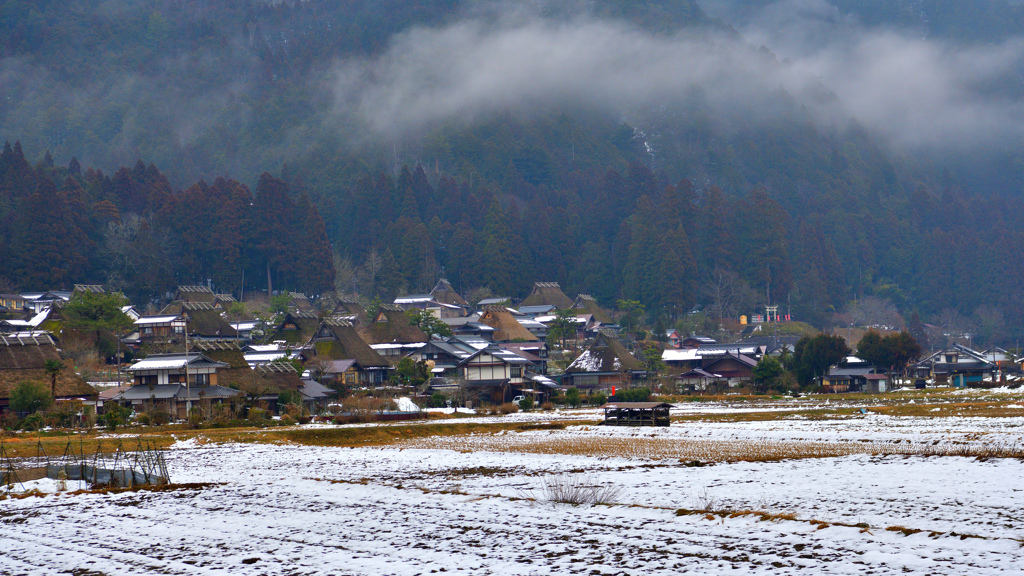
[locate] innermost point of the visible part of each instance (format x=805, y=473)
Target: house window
x=178, y=329
x=201, y=379
x=148, y=380
x=147, y=330
x=516, y=372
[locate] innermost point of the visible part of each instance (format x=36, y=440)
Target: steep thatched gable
x=392, y=326
x=506, y=327
x=296, y=328
x=24, y=359
x=606, y=354
x=586, y=303
x=547, y=293
x=444, y=292
x=338, y=340
x=195, y=294
x=275, y=378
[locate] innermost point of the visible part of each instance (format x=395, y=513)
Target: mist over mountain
x=881, y=138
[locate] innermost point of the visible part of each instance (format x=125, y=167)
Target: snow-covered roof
x=414, y=299
x=672, y=355
x=398, y=345
x=172, y=362
x=263, y=347
x=165, y=319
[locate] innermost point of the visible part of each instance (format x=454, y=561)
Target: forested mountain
x=629, y=150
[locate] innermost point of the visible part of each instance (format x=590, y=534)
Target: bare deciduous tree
x=726, y=294
x=875, y=312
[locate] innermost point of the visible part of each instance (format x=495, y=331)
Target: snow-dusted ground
x=311, y=510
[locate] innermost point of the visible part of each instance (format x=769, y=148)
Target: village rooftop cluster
x=208, y=353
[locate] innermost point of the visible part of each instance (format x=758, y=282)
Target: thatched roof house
x=444, y=292
x=296, y=328
x=195, y=294
x=506, y=327
x=548, y=293
x=391, y=326
x=606, y=364
x=272, y=378
x=338, y=340
x=586, y=303
x=203, y=319
x=350, y=308
x=23, y=357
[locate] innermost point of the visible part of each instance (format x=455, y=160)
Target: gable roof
x=606, y=354
x=350, y=306
x=305, y=326
x=741, y=358
x=94, y=288
x=444, y=292
x=270, y=378
x=500, y=354
x=506, y=327
x=338, y=340
x=391, y=325
x=548, y=293
x=194, y=294
x=587, y=302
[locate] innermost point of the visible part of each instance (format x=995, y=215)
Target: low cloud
x=913, y=92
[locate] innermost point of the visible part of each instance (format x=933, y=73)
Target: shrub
x=437, y=400
x=547, y=406
x=508, y=408
x=526, y=404
x=9, y=421
x=115, y=415
x=33, y=422
x=634, y=395
x=30, y=397
x=160, y=418
x=598, y=399
x=577, y=490
x=572, y=397
x=63, y=414
x=143, y=419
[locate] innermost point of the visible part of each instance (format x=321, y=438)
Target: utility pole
x=188, y=390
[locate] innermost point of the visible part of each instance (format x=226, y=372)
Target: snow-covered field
x=475, y=505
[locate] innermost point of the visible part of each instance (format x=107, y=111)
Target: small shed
x=637, y=414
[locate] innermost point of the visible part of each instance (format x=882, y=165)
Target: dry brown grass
x=697, y=450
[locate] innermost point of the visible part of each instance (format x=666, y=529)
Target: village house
x=39, y=301
x=14, y=303
x=547, y=293
x=445, y=356
x=391, y=325
x=427, y=302
x=24, y=357
x=203, y=320
x=733, y=370
x=262, y=382
x=194, y=294
x=495, y=375
x=445, y=294
x=690, y=358
x=295, y=328
x=161, y=327
x=506, y=327
x=605, y=365
x=338, y=340
x=586, y=303
x=957, y=365
x=167, y=383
